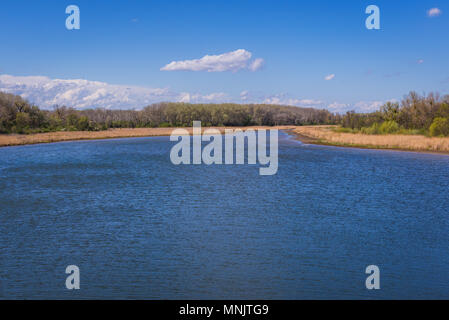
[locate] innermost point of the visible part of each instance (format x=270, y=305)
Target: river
x=138, y=226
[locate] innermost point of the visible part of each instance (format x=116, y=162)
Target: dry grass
x=318, y=134
x=325, y=134
x=18, y=139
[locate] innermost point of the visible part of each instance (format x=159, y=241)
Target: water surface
x=141, y=227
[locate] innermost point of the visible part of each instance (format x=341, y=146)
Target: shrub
x=388, y=127
x=439, y=127
x=374, y=129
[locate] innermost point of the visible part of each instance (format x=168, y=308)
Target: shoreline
x=309, y=139
x=305, y=134
x=11, y=140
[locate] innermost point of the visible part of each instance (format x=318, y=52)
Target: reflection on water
x=140, y=227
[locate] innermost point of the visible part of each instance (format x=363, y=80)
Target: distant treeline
x=415, y=114
x=19, y=116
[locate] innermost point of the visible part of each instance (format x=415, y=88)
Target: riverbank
x=325, y=135
x=59, y=136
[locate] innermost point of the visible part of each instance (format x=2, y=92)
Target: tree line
x=19, y=116
x=414, y=114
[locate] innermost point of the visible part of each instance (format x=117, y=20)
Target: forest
x=19, y=116
x=414, y=114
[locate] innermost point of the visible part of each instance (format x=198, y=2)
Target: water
x=139, y=227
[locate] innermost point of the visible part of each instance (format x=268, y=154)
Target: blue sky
x=301, y=42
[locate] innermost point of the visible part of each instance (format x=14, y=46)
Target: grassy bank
x=329, y=136
x=23, y=139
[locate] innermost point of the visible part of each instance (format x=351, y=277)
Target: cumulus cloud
x=199, y=98
x=368, y=106
x=335, y=107
x=329, y=77
x=434, y=12
x=230, y=61
x=82, y=94
x=286, y=99
x=361, y=106
x=338, y=107
x=283, y=99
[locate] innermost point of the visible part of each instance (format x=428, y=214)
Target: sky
x=128, y=54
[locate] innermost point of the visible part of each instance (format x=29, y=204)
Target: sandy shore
x=23, y=139
x=326, y=136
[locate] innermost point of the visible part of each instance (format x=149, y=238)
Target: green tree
x=22, y=121
x=83, y=123
x=72, y=120
x=443, y=111
x=439, y=127
x=390, y=111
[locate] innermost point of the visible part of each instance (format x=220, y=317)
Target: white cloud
x=338, y=107
x=284, y=99
x=361, y=106
x=218, y=96
x=256, y=64
x=368, y=106
x=230, y=61
x=329, y=77
x=305, y=103
x=199, y=98
x=434, y=12
x=244, y=95
x=420, y=61
x=82, y=94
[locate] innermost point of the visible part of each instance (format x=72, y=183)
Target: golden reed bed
x=18, y=139
x=309, y=134
x=325, y=135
